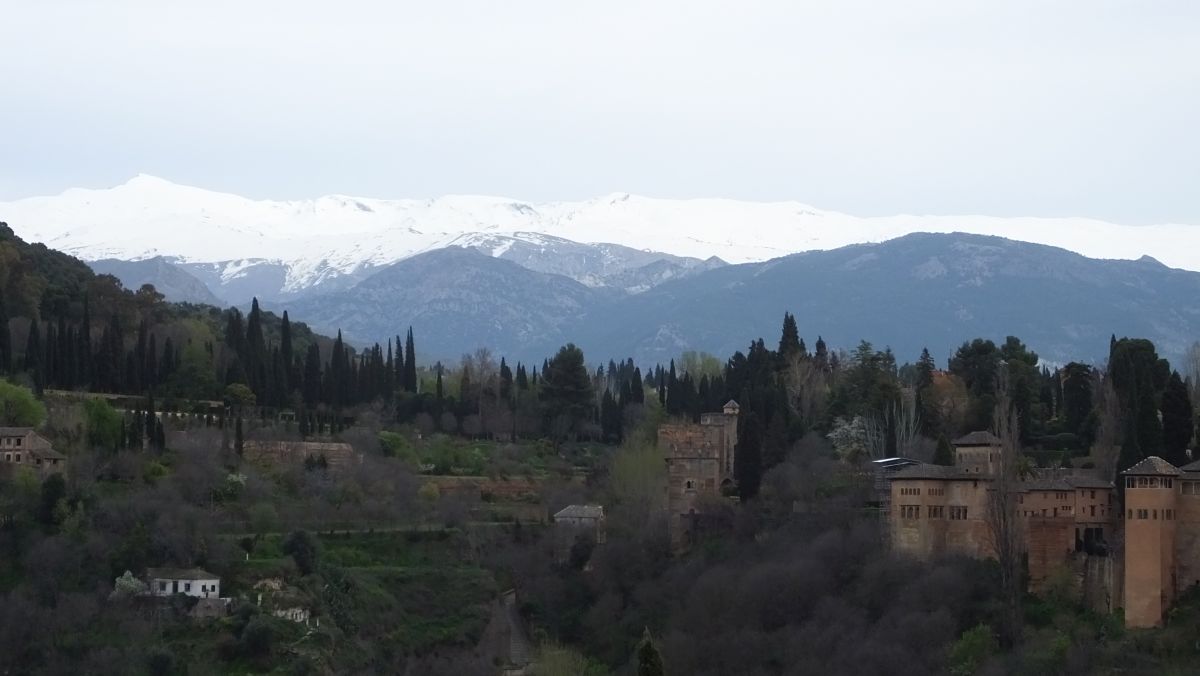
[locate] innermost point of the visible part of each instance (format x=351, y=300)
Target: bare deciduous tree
x=1004, y=526
x=906, y=422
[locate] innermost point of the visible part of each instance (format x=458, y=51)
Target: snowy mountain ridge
x=316, y=241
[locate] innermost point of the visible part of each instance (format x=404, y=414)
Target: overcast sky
x=1006, y=108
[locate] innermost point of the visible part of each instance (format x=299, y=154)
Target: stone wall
x=280, y=453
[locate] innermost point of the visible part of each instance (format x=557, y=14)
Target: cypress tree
x=135, y=379
x=86, y=371
x=50, y=357
x=166, y=367
x=789, y=342
x=650, y=662
x=389, y=371
x=506, y=380
x=438, y=392
x=410, y=363
x=151, y=422
x=33, y=357
x=944, y=455
x=312, y=376
x=675, y=396
x=286, y=353
x=1176, y=421
x=255, y=358
x=150, y=370
x=5, y=340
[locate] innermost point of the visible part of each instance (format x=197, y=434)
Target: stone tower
x=1150, y=523
x=700, y=461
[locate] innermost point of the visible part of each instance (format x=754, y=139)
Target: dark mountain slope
x=170, y=279
x=908, y=293
x=922, y=289
x=456, y=300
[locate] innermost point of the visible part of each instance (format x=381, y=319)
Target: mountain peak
x=143, y=180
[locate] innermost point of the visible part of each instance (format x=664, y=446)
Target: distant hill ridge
x=920, y=290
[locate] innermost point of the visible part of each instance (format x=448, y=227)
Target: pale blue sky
x=1006, y=108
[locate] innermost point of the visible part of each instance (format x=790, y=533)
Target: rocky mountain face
x=457, y=299
x=595, y=265
x=922, y=290
x=170, y=279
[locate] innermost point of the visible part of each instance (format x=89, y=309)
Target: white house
x=188, y=581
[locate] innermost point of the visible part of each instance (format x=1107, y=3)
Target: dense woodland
x=795, y=579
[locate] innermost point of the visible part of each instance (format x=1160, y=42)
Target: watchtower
x=700, y=463
x=1150, y=523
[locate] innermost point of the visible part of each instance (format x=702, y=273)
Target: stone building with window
x=23, y=447
x=700, y=461
x=937, y=510
x=1067, y=516
x=574, y=523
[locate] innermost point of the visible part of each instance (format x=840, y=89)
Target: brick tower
x=1151, y=489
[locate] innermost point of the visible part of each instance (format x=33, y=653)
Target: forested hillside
x=426, y=492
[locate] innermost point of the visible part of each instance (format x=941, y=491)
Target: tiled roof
x=15, y=431
x=926, y=471
x=1154, y=465
x=1086, y=481
x=1045, y=484
x=978, y=439
x=47, y=453
x=1191, y=467
x=180, y=574
x=581, y=512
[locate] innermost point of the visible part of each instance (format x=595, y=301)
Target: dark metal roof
x=978, y=439
x=581, y=512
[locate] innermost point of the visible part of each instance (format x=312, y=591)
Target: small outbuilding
x=187, y=581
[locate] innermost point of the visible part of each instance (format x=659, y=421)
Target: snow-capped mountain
x=335, y=241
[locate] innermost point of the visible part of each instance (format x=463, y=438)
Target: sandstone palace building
x=1150, y=545
x=700, y=459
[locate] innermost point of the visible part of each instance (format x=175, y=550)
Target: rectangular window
x=187, y=586
x=162, y=586
x=1093, y=510
x=1093, y=495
